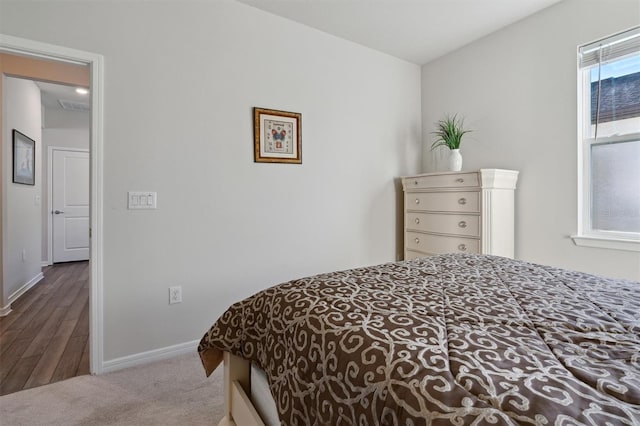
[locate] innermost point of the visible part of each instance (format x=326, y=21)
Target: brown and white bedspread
x=450, y=339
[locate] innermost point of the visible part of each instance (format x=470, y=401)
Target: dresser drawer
x=439, y=244
x=410, y=255
x=457, y=224
x=445, y=180
x=465, y=202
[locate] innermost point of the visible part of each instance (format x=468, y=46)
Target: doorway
x=45, y=335
x=57, y=57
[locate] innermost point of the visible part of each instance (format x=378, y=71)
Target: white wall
x=56, y=118
x=60, y=138
x=517, y=89
x=181, y=81
x=22, y=231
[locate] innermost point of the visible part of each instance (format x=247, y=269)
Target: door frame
x=95, y=62
x=50, y=150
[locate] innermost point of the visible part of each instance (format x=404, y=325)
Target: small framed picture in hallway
x=24, y=159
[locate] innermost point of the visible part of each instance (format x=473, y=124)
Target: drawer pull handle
x=417, y=201
x=462, y=224
x=460, y=180
x=415, y=182
x=417, y=220
x=461, y=247
x=417, y=240
x=462, y=201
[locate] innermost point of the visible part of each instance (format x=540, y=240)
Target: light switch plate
x=175, y=295
x=138, y=200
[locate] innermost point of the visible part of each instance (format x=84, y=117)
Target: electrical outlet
x=175, y=295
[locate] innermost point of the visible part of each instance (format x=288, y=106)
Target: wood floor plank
x=68, y=365
x=46, y=336
x=26, y=318
x=38, y=321
x=19, y=375
x=82, y=328
x=7, y=338
x=41, y=341
x=69, y=296
x=11, y=356
x=43, y=371
x=83, y=368
x=42, y=316
x=66, y=328
x=56, y=281
x=74, y=311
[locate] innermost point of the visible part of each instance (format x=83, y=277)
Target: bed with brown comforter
x=449, y=339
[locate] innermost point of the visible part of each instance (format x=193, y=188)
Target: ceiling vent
x=74, y=106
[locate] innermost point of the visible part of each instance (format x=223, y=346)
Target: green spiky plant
x=450, y=132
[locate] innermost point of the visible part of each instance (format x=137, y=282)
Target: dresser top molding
x=489, y=178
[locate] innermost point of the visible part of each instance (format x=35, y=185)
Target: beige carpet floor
x=170, y=392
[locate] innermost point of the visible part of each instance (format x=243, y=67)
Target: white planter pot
x=455, y=160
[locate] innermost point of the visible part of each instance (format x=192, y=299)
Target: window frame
x=586, y=235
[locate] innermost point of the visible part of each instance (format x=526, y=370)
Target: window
x=609, y=142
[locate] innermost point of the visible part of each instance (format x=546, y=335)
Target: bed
x=448, y=339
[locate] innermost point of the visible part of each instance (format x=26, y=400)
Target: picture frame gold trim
x=277, y=136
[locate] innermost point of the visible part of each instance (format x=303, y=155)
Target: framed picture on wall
x=24, y=159
x=277, y=136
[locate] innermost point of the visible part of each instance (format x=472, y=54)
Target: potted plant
x=450, y=132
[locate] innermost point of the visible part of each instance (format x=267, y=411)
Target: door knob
x=58, y=212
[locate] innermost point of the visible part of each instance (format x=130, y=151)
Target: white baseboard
x=4, y=311
x=149, y=356
x=19, y=292
x=45, y=263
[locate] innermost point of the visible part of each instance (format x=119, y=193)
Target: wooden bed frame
x=238, y=408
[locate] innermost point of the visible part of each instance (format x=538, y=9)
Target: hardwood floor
x=45, y=338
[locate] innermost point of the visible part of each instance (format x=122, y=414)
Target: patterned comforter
x=449, y=339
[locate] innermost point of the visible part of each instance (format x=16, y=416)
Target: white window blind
x=611, y=48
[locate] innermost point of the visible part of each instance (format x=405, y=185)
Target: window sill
x=608, y=243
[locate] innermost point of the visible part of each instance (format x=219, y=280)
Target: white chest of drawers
x=459, y=212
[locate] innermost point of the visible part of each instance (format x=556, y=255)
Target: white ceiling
x=415, y=30
x=52, y=93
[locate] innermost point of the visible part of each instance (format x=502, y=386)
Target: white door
x=70, y=201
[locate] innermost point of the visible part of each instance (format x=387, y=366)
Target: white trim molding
x=19, y=292
x=95, y=62
x=5, y=310
x=150, y=356
x=607, y=243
